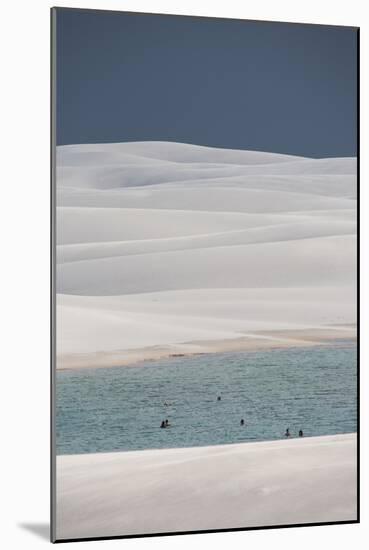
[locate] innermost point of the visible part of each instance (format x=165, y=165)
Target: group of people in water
x=165, y=423
x=288, y=433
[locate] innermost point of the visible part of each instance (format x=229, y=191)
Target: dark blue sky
x=226, y=83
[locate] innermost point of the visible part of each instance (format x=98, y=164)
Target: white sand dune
x=131, y=327
x=96, y=153
x=252, y=235
x=244, y=485
x=170, y=246
x=322, y=261
x=139, y=175
x=194, y=194
x=137, y=165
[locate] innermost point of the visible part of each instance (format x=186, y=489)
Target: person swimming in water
x=162, y=425
x=219, y=398
x=287, y=434
x=242, y=423
x=301, y=433
x=166, y=423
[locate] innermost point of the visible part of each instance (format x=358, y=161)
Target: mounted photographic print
x=204, y=274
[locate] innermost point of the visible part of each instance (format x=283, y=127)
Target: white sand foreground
x=227, y=486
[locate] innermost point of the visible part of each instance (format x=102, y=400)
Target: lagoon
x=121, y=408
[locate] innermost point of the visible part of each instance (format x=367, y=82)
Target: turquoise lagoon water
x=120, y=409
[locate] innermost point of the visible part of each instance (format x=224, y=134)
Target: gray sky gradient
x=225, y=83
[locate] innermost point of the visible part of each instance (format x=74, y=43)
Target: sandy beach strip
x=257, y=341
x=228, y=486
